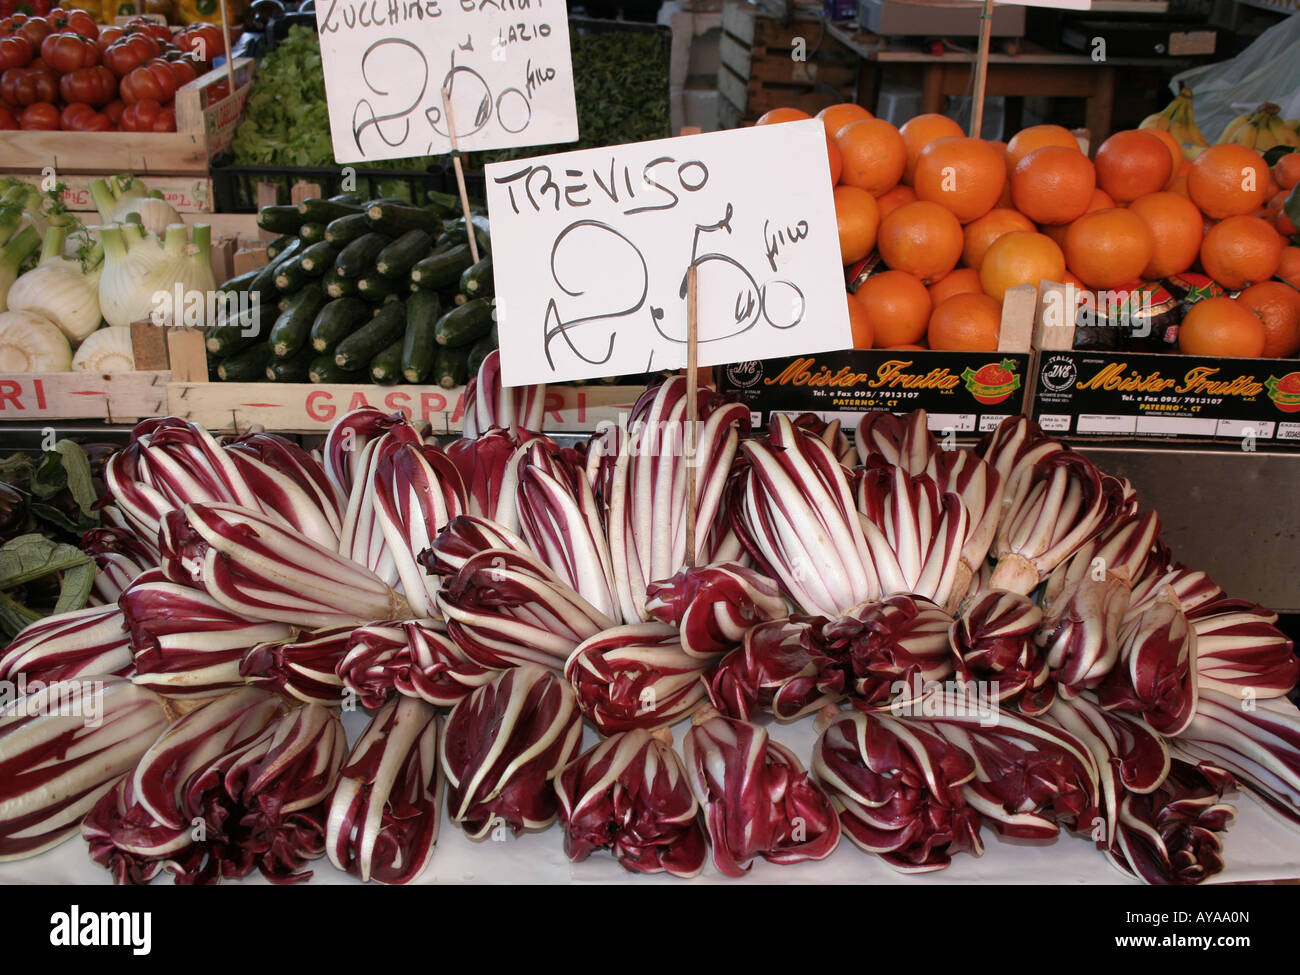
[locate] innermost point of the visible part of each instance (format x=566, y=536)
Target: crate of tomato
x=145, y=93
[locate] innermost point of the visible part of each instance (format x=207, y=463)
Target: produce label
x=1178, y=397
x=965, y=392
x=505, y=62
x=591, y=249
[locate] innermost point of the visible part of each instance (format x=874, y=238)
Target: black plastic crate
x=234, y=188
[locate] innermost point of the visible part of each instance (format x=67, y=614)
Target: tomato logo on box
x=1285, y=392
x=992, y=383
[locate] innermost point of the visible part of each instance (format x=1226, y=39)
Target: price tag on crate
x=507, y=66
x=590, y=251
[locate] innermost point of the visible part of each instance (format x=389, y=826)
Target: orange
x=1284, y=225
x=908, y=348
x=1108, y=248
x=1221, y=326
x=965, y=323
x=1228, y=180
x=1100, y=200
x=859, y=321
x=1278, y=306
x=1176, y=232
x=874, y=155
x=782, y=115
x=979, y=234
x=1035, y=137
x=835, y=117
x=858, y=219
x=835, y=159
x=898, y=307
x=1287, y=170
x=965, y=175
x=1240, y=251
x=1053, y=185
x=1017, y=258
x=1133, y=163
x=1175, y=152
x=919, y=131
x=894, y=199
x=959, y=281
x=1288, y=268
x=921, y=238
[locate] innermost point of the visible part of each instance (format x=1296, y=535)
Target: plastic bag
x=1267, y=71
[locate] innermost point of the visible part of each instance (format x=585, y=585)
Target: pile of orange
x=958, y=222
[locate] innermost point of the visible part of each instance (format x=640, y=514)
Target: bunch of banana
x=1260, y=130
x=1179, y=119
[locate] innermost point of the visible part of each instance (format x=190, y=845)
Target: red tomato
x=15, y=52
x=129, y=53
x=95, y=86
x=159, y=32
x=108, y=36
x=7, y=120
x=204, y=40
x=216, y=92
x=114, y=110
x=68, y=52
x=20, y=87
x=40, y=115
x=76, y=21
x=80, y=117
x=148, y=116
x=9, y=25
x=36, y=29
x=155, y=81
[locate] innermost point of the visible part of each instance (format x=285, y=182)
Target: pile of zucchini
x=361, y=291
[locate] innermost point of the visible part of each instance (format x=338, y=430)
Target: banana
x=1232, y=132
x=1284, y=135
x=1264, y=137
x=1183, y=126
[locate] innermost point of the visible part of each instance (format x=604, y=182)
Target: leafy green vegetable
x=28, y=558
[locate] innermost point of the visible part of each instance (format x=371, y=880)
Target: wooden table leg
x=1100, y=104
x=868, y=84
x=932, y=89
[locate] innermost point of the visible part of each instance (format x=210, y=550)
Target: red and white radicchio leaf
x=992, y=640
x=782, y=667
x=384, y=816
x=758, y=800
x=892, y=648
x=1156, y=673
x=503, y=746
x=303, y=667
x=1239, y=648
x=90, y=642
x=714, y=605
x=415, y=658
x=630, y=795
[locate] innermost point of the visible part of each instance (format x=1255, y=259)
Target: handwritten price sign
x=506, y=63
x=590, y=251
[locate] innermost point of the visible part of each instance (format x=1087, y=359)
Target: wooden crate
x=186, y=193
x=772, y=62
x=204, y=126
x=123, y=397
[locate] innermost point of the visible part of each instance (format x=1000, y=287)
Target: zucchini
x=338, y=319
x=446, y=204
x=280, y=220
x=476, y=280
x=323, y=369
x=356, y=351
x=451, y=368
x=440, y=270
x=394, y=219
x=465, y=324
x=265, y=281
x=457, y=231
x=294, y=369
x=359, y=255
x=337, y=287
x=423, y=309
x=232, y=334
x=248, y=366
x=292, y=328
x=480, y=350
x=323, y=211
x=312, y=233
x=318, y=258
x=277, y=246
x=240, y=282
x=386, y=367
x=291, y=278
x=351, y=199
x=374, y=288
x=395, y=260
x=344, y=230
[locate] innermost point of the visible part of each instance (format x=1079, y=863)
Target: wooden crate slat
x=733, y=88
x=786, y=69
x=736, y=54
x=116, y=398
x=308, y=408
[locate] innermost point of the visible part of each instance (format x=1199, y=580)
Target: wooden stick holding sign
x=460, y=172
x=225, y=36
x=981, y=71
x=692, y=379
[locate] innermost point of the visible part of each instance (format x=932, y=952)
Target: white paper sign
x=506, y=61
x=590, y=251
x=1058, y=4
